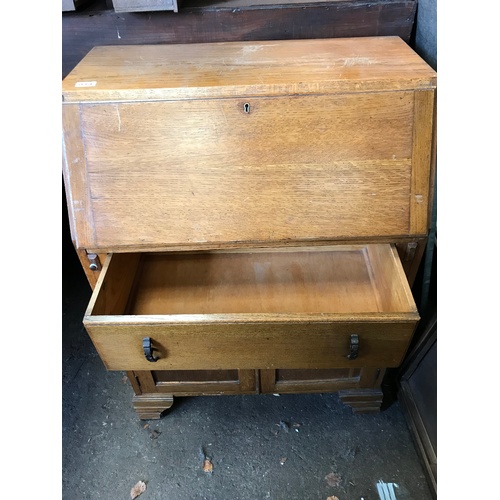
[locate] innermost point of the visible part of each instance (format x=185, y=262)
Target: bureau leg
x=367, y=398
x=362, y=400
x=151, y=406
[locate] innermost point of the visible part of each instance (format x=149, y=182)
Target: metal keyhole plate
x=246, y=107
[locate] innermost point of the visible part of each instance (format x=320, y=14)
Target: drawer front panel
x=250, y=346
x=206, y=172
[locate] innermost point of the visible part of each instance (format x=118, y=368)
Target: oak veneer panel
x=389, y=280
x=252, y=345
x=314, y=375
x=196, y=376
x=318, y=380
x=333, y=147
x=75, y=177
x=309, y=281
x=205, y=382
x=114, y=293
x=281, y=309
x=422, y=161
x=301, y=168
x=245, y=69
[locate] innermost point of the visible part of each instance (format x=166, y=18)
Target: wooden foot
x=362, y=400
x=151, y=406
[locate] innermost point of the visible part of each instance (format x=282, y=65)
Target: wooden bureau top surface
x=231, y=69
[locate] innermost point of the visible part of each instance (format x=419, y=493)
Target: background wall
x=425, y=41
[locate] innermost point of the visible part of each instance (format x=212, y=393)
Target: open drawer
x=321, y=307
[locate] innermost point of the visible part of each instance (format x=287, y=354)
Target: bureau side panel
x=259, y=170
x=75, y=178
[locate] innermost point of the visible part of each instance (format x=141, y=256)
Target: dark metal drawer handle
x=354, y=347
x=148, y=349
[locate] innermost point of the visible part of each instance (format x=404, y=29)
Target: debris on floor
x=137, y=489
x=284, y=426
x=386, y=490
x=154, y=434
x=208, y=466
x=333, y=479
x=283, y=460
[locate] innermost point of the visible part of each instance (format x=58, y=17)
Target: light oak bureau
x=250, y=215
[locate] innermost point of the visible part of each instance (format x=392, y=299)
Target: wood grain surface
x=264, y=310
x=251, y=345
x=290, y=146
x=238, y=168
x=326, y=280
x=298, y=168
x=247, y=69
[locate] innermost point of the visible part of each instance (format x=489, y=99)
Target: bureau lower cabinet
x=250, y=216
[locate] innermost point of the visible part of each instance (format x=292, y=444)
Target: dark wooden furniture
x=418, y=396
x=250, y=215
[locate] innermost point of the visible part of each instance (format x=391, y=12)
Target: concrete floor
x=292, y=447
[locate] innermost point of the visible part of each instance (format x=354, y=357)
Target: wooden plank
x=246, y=69
x=300, y=381
x=202, y=382
x=389, y=280
x=267, y=381
x=222, y=22
x=144, y=5
x=75, y=177
x=227, y=345
x=304, y=168
x=422, y=156
x=319, y=281
x=111, y=295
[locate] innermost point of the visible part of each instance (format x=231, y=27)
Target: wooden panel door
x=206, y=173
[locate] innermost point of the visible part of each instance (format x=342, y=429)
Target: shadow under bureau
x=251, y=216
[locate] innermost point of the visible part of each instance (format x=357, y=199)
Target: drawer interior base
x=352, y=279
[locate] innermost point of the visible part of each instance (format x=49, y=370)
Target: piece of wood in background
x=145, y=5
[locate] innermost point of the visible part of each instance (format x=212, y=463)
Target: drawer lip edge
x=250, y=318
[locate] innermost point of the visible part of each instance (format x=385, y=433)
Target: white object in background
x=386, y=490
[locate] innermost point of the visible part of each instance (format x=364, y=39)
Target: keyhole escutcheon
x=246, y=107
